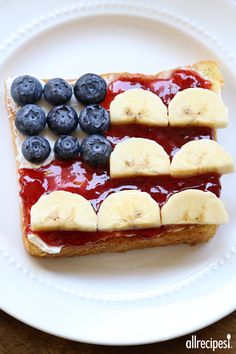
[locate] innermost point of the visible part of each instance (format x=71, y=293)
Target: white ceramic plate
x=141, y=296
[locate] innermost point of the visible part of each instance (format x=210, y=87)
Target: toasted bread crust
x=191, y=235
x=210, y=71
x=184, y=234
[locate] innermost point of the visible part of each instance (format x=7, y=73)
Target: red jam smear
x=95, y=184
x=171, y=139
x=71, y=238
x=164, y=88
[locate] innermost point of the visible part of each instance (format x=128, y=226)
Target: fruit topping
x=127, y=210
x=138, y=157
x=96, y=150
x=194, y=207
x=66, y=148
x=198, y=106
x=94, y=119
x=140, y=107
x=30, y=119
x=63, y=211
x=57, y=91
x=26, y=89
x=90, y=88
x=62, y=119
x=36, y=149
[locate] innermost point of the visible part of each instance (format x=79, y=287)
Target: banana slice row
x=125, y=210
x=130, y=210
x=192, y=106
x=144, y=157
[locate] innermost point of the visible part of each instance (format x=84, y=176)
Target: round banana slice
x=64, y=211
x=128, y=210
x=197, y=106
x=138, y=157
x=201, y=156
x=138, y=106
x=194, y=207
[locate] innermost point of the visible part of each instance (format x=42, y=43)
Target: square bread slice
x=189, y=234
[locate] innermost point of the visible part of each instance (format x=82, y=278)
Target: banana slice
x=64, y=211
x=128, y=210
x=201, y=156
x=197, y=106
x=194, y=207
x=138, y=157
x=138, y=106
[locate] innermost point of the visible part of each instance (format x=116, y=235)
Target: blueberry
x=57, y=91
x=66, y=147
x=62, y=120
x=36, y=149
x=96, y=150
x=30, y=119
x=94, y=119
x=26, y=89
x=90, y=88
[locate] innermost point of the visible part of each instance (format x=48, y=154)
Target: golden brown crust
x=184, y=234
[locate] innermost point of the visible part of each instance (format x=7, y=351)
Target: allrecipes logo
x=212, y=344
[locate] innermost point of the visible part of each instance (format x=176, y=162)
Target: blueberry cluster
x=62, y=120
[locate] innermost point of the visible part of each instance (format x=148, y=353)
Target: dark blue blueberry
x=94, y=119
x=90, y=88
x=66, y=147
x=26, y=89
x=62, y=120
x=30, y=119
x=96, y=150
x=36, y=149
x=57, y=91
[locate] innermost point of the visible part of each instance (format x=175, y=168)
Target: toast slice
x=189, y=234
